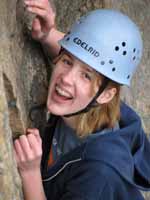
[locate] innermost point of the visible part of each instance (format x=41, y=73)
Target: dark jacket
x=112, y=166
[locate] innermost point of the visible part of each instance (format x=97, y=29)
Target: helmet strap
x=93, y=102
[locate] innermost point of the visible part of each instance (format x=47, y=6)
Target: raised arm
x=44, y=27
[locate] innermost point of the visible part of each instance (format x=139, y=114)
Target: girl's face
x=71, y=87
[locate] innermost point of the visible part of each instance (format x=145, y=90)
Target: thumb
x=36, y=27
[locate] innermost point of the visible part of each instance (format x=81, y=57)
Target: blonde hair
x=100, y=117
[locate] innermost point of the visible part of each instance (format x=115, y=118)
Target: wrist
x=28, y=174
x=30, y=179
x=45, y=38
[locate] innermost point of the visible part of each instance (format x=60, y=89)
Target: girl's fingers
x=28, y=147
x=36, y=133
x=25, y=145
x=37, y=11
x=19, y=152
x=35, y=144
x=38, y=4
x=36, y=26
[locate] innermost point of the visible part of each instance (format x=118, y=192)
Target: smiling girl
x=94, y=146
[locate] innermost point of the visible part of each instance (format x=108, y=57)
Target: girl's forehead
x=84, y=65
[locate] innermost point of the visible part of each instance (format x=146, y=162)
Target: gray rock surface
x=23, y=83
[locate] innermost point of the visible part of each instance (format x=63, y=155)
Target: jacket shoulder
x=99, y=181
x=116, y=187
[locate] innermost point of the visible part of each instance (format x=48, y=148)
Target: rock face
x=24, y=73
x=23, y=83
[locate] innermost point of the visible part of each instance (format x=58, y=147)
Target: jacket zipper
x=61, y=169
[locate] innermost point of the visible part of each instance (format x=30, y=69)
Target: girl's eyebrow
x=69, y=55
x=85, y=66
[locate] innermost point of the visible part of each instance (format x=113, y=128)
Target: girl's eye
x=66, y=61
x=87, y=76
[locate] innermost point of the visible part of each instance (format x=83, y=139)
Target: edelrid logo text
x=86, y=46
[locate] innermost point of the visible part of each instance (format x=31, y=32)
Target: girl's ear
x=106, y=96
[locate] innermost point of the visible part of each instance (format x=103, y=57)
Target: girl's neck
x=70, y=121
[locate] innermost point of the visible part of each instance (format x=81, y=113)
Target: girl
x=94, y=146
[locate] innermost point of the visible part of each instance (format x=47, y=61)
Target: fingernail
x=27, y=2
x=29, y=8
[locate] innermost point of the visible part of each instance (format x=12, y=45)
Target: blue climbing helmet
x=108, y=41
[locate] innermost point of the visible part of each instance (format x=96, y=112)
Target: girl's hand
x=28, y=151
x=44, y=22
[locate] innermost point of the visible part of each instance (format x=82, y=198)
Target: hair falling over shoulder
x=100, y=117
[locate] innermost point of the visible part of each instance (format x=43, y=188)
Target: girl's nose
x=69, y=77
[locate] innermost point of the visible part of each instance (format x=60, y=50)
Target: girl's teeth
x=62, y=92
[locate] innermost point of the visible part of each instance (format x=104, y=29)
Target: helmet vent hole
x=102, y=62
x=111, y=61
x=134, y=50
x=128, y=76
x=67, y=39
x=123, y=44
x=116, y=48
x=134, y=58
x=124, y=53
x=113, y=69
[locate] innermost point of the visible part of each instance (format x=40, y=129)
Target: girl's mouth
x=64, y=94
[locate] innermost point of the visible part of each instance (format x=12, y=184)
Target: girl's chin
x=59, y=105
x=59, y=100
x=56, y=110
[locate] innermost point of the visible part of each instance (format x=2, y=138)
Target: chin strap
x=93, y=102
